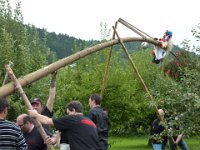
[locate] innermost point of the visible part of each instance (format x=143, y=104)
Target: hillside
x=64, y=45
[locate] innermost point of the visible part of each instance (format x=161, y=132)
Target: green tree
x=27, y=52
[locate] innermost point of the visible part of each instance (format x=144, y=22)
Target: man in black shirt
x=100, y=118
x=75, y=128
x=38, y=106
x=48, y=109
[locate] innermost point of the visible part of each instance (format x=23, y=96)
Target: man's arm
x=41, y=118
x=21, y=142
x=178, y=138
x=52, y=92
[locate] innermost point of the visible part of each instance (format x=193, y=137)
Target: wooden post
x=137, y=73
x=6, y=76
x=27, y=103
x=135, y=29
x=107, y=67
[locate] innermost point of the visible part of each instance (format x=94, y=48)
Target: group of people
x=159, y=139
x=75, y=130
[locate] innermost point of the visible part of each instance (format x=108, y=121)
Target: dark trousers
x=182, y=144
x=103, y=144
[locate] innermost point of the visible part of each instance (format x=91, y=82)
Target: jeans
x=64, y=146
x=182, y=144
x=158, y=146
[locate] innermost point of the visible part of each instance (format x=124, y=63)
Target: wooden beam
x=28, y=104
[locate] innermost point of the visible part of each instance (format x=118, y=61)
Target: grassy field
x=140, y=143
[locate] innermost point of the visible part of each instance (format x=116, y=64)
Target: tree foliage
x=27, y=52
x=180, y=96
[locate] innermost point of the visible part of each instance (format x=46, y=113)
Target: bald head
x=25, y=122
x=21, y=118
x=161, y=113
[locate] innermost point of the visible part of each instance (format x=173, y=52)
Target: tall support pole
x=137, y=73
x=27, y=103
x=107, y=67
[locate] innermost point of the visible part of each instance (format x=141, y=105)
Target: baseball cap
x=36, y=101
x=169, y=33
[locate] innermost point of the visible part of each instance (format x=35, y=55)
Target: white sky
x=81, y=18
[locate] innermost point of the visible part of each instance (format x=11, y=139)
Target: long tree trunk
x=34, y=76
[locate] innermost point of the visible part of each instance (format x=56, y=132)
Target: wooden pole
x=6, y=76
x=107, y=67
x=133, y=28
x=34, y=76
x=137, y=73
x=27, y=103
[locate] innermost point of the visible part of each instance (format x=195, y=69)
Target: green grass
x=141, y=143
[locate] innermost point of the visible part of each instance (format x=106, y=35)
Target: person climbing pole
x=165, y=46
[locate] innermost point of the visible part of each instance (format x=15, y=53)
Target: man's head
x=161, y=113
x=94, y=100
x=4, y=107
x=74, y=107
x=25, y=122
x=37, y=105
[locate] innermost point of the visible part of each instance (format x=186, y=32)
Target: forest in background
x=174, y=85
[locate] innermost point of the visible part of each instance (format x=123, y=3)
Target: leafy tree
x=180, y=98
x=25, y=50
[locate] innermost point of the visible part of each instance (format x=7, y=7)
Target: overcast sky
x=81, y=18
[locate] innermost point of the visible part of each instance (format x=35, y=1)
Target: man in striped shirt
x=11, y=137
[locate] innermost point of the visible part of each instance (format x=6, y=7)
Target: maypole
x=34, y=76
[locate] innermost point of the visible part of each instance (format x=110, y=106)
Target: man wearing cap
x=44, y=110
x=48, y=109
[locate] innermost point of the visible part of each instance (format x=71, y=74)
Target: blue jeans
x=182, y=144
x=158, y=146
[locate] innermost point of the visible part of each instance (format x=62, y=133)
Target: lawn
x=140, y=143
